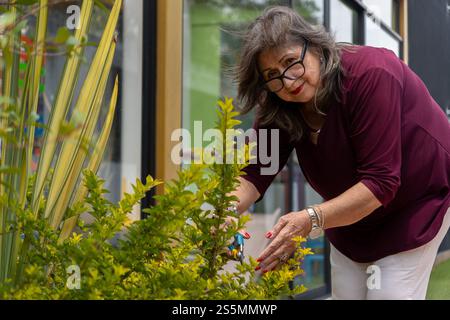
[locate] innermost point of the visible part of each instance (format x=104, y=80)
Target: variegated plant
x=57, y=179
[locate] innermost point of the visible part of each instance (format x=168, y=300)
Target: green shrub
x=170, y=255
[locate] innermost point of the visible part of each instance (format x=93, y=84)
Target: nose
x=288, y=83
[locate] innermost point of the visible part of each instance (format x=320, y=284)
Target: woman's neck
x=314, y=120
x=308, y=108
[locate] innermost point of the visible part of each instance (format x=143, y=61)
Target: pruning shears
x=237, y=248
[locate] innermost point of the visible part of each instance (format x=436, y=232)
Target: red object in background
x=25, y=40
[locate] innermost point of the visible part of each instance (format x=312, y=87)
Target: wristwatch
x=316, y=230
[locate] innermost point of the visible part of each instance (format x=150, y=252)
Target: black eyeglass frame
x=283, y=75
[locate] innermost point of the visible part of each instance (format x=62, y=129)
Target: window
x=303, y=195
x=342, y=21
x=382, y=25
x=311, y=10
x=129, y=129
x=377, y=37
x=210, y=49
x=386, y=10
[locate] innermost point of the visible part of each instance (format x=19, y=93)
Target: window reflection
x=342, y=21
x=377, y=37
x=311, y=10
x=304, y=195
x=382, y=9
x=210, y=50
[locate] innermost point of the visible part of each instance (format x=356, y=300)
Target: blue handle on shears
x=239, y=239
x=237, y=248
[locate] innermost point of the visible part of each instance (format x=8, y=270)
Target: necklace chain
x=310, y=127
x=313, y=131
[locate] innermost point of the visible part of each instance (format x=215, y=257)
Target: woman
x=370, y=140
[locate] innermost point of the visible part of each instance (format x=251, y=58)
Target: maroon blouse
x=389, y=134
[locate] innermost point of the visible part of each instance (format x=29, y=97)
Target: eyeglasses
x=294, y=72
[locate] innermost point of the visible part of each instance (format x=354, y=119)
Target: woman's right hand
x=232, y=220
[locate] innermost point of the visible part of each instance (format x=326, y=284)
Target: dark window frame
x=148, y=147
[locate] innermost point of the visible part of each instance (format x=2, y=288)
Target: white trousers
x=402, y=276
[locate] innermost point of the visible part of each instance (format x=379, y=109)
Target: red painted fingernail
x=247, y=235
x=265, y=271
x=258, y=260
x=269, y=235
x=257, y=268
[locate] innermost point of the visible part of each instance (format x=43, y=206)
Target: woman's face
x=273, y=62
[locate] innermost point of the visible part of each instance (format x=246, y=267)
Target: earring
x=321, y=60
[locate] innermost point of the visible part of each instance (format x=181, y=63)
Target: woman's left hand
x=282, y=247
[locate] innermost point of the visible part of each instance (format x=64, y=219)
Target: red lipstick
x=298, y=90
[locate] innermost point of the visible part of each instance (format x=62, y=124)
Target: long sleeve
x=375, y=104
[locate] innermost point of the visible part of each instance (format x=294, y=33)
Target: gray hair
x=278, y=26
